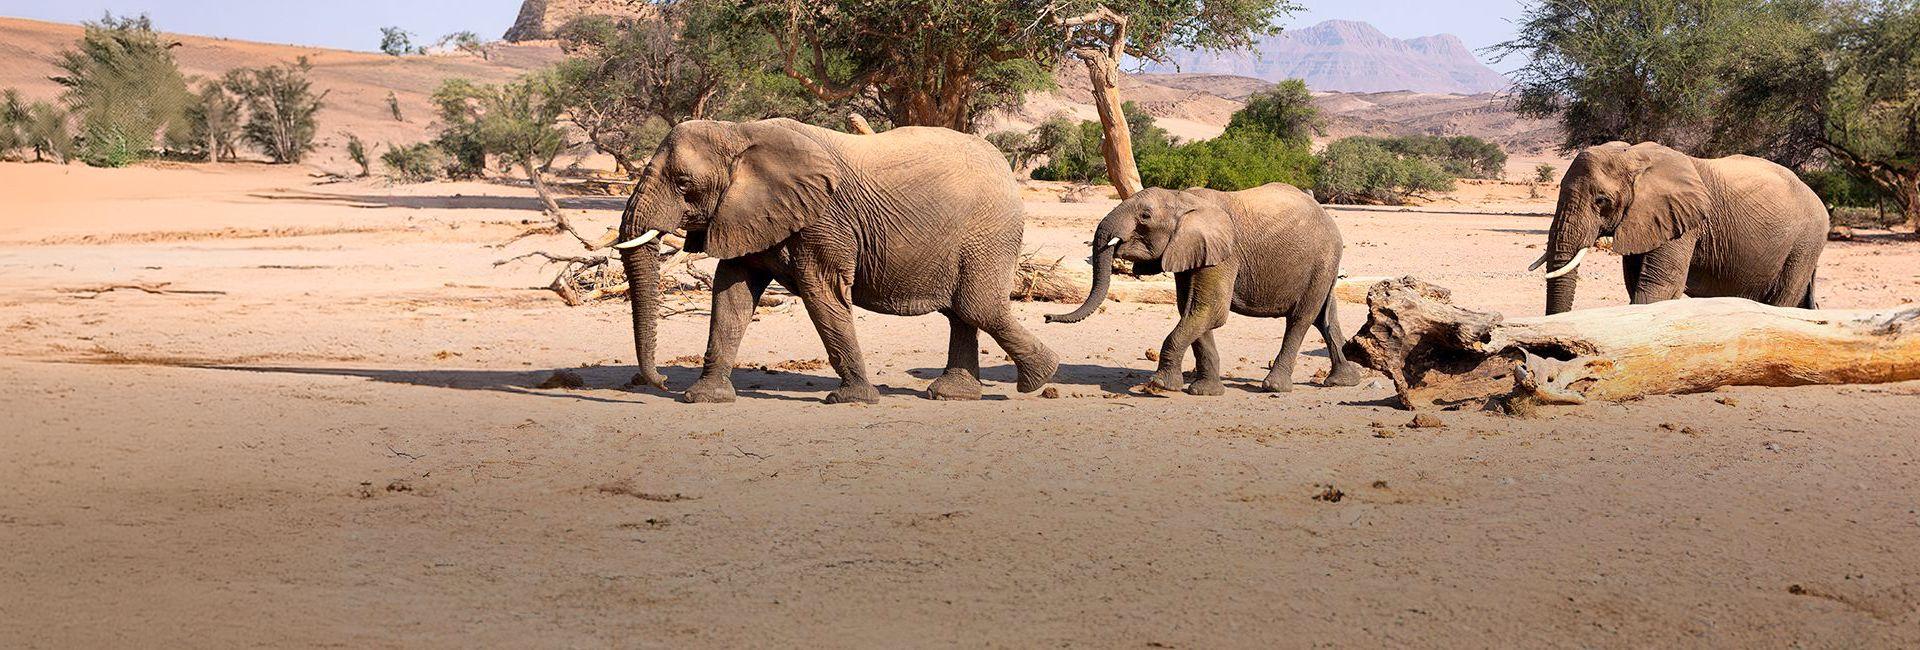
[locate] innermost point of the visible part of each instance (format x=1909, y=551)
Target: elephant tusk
x=638, y=241
x=612, y=236
x=1571, y=265
x=1536, y=263
x=1114, y=242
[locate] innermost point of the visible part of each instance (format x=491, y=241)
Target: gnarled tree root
x=1440, y=354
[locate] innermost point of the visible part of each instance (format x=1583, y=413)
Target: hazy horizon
x=355, y=24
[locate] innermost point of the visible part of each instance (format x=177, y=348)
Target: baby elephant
x=1269, y=251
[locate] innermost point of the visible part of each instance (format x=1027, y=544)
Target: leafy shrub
x=1461, y=156
x=357, y=152
x=1285, y=112
x=414, y=163
x=1360, y=170
x=215, y=116
x=1840, y=189
x=280, y=106
x=122, y=81
x=1234, y=161
x=397, y=42
x=1543, y=173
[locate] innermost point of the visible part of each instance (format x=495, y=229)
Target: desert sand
x=326, y=429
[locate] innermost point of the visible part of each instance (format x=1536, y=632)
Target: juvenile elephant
x=1737, y=226
x=1269, y=251
x=906, y=222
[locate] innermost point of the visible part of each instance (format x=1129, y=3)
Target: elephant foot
x=1159, y=385
x=1346, y=374
x=709, y=392
x=648, y=377
x=954, y=385
x=854, y=394
x=1210, y=387
x=1274, y=384
x=1037, y=371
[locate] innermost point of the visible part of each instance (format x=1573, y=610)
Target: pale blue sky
x=355, y=24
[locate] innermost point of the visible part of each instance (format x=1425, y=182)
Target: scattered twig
x=157, y=288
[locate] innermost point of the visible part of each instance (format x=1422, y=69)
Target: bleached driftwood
x=1439, y=354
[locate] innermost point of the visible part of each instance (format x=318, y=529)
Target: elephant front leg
x=1659, y=274
x=828, y=296
x=1204, y=296
x=736, y=291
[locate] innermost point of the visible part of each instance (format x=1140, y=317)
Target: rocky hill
x=538, y=18
x=1195, y=106
x=1351, y=56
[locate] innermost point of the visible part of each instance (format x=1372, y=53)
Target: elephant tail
x=1808, y=302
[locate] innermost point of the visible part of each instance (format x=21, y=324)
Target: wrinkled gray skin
x=1269, y=251
x=906, y=222
x=1737, y=226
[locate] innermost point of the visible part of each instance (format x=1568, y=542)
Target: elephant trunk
x=1560, y=290
x=1102, y=279
x=642, y=265
x=1571, y=235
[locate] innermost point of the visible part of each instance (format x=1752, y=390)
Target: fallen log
x=1440, y=354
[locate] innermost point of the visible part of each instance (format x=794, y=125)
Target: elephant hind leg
x=1035, y=362
x=961, y=381
x=1340, y=372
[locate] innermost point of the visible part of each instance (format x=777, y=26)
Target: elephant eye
x=1603, y=200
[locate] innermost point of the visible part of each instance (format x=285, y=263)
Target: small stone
x=1153, y=355
x=564, y=379
x=1050, y=393
x=1840, y=233
x=1426, y=421
x=1727, y=400
x=1383, y=433
x=1330, y=494
x=1771, y=446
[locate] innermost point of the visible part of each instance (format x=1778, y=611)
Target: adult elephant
x=906, y=222
x=1737, y=226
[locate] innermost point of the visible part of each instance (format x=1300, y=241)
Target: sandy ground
x=339, y=441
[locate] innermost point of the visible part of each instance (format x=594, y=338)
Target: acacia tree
x=1284, y=111
x=1870, y=119
x=917, y=62
x=943, y=63
x=216, y=117
x=122, y=81
x=518, y=121
x=1101, y=34
x=627, y=80
x=280, y=108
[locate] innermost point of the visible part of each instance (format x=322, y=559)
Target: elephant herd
x=918, y=219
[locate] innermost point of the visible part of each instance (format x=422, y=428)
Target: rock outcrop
x=539, y=18
x=1351, y=56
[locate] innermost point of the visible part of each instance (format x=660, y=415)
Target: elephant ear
x=1204, y=237
x=779, y=182
x=1669, y=200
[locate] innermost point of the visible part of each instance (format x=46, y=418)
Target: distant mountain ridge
x=1351, y=56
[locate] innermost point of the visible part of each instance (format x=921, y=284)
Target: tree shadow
x=749, y=383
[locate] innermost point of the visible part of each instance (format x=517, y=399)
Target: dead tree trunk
x=1103, y=71
x=1439, y=354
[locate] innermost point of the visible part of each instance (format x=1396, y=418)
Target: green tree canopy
x=1284, y=111
x=281, y=106
x=122, y=80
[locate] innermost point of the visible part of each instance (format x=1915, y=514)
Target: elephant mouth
x=696, y=241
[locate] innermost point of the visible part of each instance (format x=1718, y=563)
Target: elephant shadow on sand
x=754, y=383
